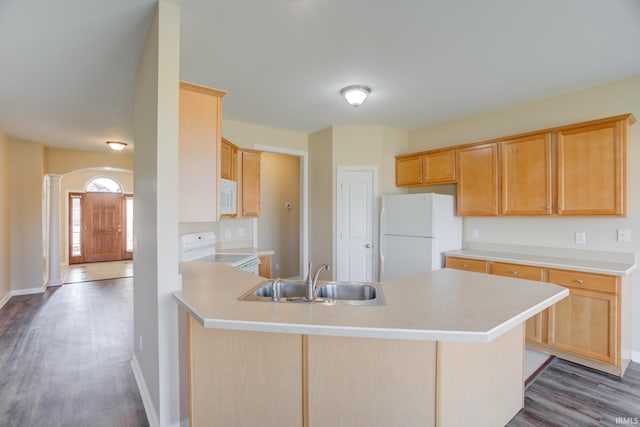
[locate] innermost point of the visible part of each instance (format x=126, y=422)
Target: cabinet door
x=478, y=180
x=409, y=170
x=265, y=267
x=439, y=167
x=592, y=170
x=250, y=183
x=585, y=323
x=534, y=326
x=228, y=160
x=199, y=124
x=233, y=373
x=525, y=165
x=476, y=265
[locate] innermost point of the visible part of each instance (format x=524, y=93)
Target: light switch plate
x=475, y=233
x=581, y=238
x=624, y=234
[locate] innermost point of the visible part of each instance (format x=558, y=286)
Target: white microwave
x=228, y=190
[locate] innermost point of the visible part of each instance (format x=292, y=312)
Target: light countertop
x=604, y=266
x=246, y=251
x=444, y=305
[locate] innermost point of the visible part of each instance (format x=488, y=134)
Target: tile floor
x=89, y=272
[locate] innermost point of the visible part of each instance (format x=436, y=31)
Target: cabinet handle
x=465, y=266
x=560, y=207
x=547, y=207
x=580, y=282
x=515, y=273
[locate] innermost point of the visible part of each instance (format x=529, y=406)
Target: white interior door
x=356, y=223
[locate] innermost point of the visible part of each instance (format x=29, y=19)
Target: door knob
x=368, y=245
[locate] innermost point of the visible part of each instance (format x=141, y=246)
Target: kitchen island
x=447, y=349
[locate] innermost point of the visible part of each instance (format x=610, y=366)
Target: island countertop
x=443, y=305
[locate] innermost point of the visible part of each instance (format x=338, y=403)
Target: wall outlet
x=227, y=233
x=277, y=267
x=475, y=233
x=241, y=232
x=624, y=234
x=581, y=238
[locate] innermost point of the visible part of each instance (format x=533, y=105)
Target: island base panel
x=481, y=384
x=369, y=382
x=242, y=378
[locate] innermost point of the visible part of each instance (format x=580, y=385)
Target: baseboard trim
x=150, y=410
x=635, y=356
x=28, y=291
x=5, y=299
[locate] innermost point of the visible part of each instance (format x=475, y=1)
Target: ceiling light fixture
x=355, y=94
x=116, y=145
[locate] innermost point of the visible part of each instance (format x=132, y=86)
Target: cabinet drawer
x=590, y=281
x=516, y=270
x=467, y=264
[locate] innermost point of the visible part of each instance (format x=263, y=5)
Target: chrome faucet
x=311, y=283
x=276, y=289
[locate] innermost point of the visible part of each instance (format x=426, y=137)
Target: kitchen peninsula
x=447, y=349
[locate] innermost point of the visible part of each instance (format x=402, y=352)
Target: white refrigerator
x=415, y=230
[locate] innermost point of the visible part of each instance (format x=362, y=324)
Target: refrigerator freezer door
x=407, y=215
x=405, y=256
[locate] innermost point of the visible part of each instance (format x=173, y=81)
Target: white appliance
x=201, y=247
x=228, y=190
x=415, y=231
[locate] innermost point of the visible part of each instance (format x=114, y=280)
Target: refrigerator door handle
x=381, y=250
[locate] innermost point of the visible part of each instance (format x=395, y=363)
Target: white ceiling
x=67, y=67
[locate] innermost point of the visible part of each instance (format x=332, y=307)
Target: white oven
x=201, y=247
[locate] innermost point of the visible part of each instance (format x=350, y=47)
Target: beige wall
x=5, y=217
x=26, y=183
x=74, y=182
x=370, y=145
x=279, y=227
x=321, y=199
x=346, y=146
x=156, y=214
x=59, y=161
x=246, y=135
x=597, y=102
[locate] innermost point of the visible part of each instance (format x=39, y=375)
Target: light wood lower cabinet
x=535, y=326
x=587, y=323
x=370, y=382
x=467, y=264
x=265, y=267
x=242, y=378
x=590, y=326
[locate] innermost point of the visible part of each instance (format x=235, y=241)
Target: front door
x=102, y=222
x=356, y=217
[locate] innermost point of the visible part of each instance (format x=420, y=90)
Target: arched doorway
x=100, y=222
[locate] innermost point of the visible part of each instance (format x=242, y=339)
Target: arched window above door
x=103, y=185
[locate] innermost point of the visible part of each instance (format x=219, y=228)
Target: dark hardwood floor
x=568, y=395
x=65, y=357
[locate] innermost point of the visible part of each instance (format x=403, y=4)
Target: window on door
x=100, y=223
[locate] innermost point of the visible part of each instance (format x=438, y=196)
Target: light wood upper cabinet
x=228, y=160
x=478, y=180
x=436, y=167
x=525, y=169
x=592, y=169
x=249, y=182
x=439, y=167
x=409, y=170
x=199, y=124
